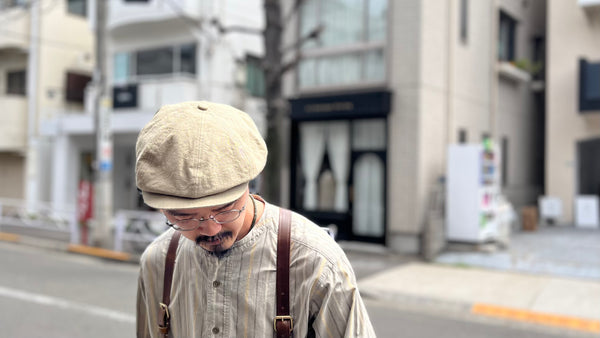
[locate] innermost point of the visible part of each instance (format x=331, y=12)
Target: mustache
x=219, y=236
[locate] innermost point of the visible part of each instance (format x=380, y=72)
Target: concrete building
x=45, y=63
x=377, y=99
x=159, y=52
x=573, y=102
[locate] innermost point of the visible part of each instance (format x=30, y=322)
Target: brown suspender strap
x=283, y=323
x=164, y=317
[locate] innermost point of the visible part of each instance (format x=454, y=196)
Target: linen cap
x=197, y=154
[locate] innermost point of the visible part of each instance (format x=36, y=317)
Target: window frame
x=588, y=104
x=132, y=74
x=251, y=89
x=511, y=49
x=11, y=75
x=85, y=8
x=362, y=48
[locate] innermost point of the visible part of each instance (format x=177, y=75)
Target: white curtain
x=368, y=196
x=338, y=147
x=312, y=148
x=326, y=191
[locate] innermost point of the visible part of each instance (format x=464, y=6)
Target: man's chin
x=215, y=250
x=217, y=246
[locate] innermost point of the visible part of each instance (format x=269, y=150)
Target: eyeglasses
x=219, y=218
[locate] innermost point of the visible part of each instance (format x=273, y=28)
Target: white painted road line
x=66, y=305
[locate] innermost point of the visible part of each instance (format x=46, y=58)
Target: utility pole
x=273, y=100
x=275, y=68
x=32, y=165
x=103, y=163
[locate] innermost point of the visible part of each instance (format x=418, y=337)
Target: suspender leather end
x=286, y=320
x=163, y=329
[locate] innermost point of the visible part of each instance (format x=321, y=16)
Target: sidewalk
x=549, y=277
x=560, y=302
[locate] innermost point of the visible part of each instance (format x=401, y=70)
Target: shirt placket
x=216, y=302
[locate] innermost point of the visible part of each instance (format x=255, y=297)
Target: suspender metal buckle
x=283, y=318
x=165, y=308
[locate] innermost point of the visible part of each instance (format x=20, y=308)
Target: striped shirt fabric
x=234, y=295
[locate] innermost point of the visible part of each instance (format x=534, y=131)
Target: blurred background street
x=452, y=146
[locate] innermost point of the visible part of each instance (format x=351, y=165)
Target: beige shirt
x=234, y=296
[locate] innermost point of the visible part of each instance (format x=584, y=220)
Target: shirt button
x=216, y=283
x=215, y=330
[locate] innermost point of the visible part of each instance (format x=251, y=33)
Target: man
x=194, y=162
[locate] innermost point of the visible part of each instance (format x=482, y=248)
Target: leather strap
x=283, y=323
x=164, y=317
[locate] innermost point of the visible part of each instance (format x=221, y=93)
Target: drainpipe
x=31, y=160
x=494, y=70
x=449, y=79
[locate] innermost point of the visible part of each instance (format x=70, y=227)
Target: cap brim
x=159, y=201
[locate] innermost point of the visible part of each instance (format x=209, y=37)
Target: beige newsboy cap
x=197, y=154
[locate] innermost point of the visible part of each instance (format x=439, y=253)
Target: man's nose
x=210, y=227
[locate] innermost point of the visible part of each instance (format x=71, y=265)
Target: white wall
x=573, y=32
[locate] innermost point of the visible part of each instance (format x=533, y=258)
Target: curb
x=66, y=247
x=566, y=322
x=491, y=311
x=8, y=237
x=99, y=252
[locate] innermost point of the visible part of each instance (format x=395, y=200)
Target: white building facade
x=159, y=52
x=46, y=60
x=573, y=103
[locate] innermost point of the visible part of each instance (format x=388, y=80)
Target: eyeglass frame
x=210, y=218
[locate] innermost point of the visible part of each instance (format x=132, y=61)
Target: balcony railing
x=14, y=28
x=122, y=13
x=152, y=93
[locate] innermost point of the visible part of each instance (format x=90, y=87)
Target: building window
x=121, y=67
x=350, y=49
x=255, y=77
x=326, y=152
x=462, y=136
x=506, y=37
x=187, y=59
x=154, y=61
x=179, y=59
x=16, y=82
x=76, y=84
x=464, y=21
x=77, y=7
x=589, y=86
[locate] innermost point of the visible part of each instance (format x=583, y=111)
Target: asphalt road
x=46, y=293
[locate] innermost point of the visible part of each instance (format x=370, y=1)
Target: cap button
x=202, y=106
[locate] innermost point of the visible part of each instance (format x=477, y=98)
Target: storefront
x=339, y=162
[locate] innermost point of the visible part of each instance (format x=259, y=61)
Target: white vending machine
x=472, y=193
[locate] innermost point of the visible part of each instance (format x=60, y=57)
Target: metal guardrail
x=15, y=213
x=137, y=229
x=133, y=230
